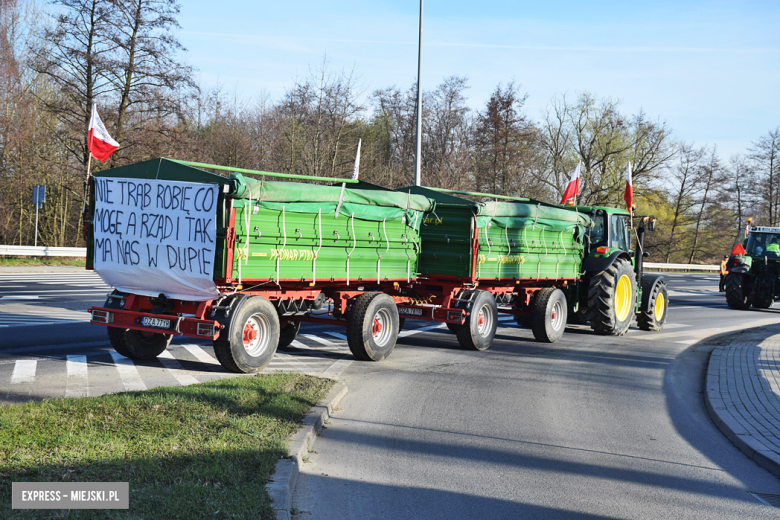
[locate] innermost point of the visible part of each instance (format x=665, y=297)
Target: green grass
x=14, y=261
x=201, y=451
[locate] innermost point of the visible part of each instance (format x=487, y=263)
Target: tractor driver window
x=764, y=244
x=618, y=238
x=596, y=233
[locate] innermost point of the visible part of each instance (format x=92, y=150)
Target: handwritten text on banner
x=154, y=236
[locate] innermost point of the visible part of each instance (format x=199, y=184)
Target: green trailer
x=546, y=264
x=242, y=261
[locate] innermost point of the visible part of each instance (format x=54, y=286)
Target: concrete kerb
x=285, y=476
x=731, y=428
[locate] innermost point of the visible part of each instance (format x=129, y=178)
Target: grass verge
x=200, y=451
x=24, y=261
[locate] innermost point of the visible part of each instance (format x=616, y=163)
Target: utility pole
x=418, y=148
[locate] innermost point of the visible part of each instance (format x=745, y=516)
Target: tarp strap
x=354, y=244
x=379, y=260
x=537, y=217
x=284, y=244
x=314, y=262
x=341, y=199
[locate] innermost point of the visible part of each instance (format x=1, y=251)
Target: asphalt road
x=592, y=426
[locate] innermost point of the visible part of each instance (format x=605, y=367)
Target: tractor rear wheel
x=612, y=298
x=655, y=303
x=549, y=315
x=736, y=291
x=372, y=326
x=762, y=304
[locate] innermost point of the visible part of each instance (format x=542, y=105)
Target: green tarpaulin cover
x=374, y=205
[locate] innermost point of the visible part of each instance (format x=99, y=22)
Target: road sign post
x=39, y=197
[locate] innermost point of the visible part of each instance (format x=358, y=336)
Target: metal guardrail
x=42, y=251
x=682, y=267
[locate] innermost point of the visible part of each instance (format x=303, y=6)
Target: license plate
x=410, y=311
x=156, y=322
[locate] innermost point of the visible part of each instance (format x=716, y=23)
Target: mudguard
x=597, y=264
x=736, y=264
x=224, y=316
x=649, y=281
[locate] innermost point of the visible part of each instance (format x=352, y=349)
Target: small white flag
x=356, y=169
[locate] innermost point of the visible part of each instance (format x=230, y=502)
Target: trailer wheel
x=372, y=327
x=136, y=344
x=654, y=307
x=453, y=327
x=480, y=327
x=611, y=299
x=253, y=338
x=737, y=291
x=549, y=315
x=762, y=304
x=288, y=334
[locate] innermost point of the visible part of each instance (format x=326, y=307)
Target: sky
x=709, y=69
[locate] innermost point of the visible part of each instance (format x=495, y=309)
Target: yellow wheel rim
x=623, y=294
x=660, y=306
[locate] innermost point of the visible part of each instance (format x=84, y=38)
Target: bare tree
x=685, y=180
x=765, y=155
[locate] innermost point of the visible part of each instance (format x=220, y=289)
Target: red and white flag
x=99, y=143
x=628, y=195
x=573, y=189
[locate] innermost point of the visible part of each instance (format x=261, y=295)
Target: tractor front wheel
x=654, y=306
x=612, y=298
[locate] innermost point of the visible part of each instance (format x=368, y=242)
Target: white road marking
x=337, y=368
x=24, y=372
x=337, y=335
x=675, y=326
x=131, y=379
x=319, y=339
x=77, y=385
x=19, y=297
x=405, y=333
x=184, y=377
x=297, y=344
x=202, y=356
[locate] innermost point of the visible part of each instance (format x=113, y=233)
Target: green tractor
x=614, y=288
x=752, y=278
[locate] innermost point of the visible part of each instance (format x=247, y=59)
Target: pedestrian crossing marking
x=406, y=333
x=174, y=367
x=202, y=356
x=77, y=385
x=129, y=375
x=337, y=335
x=24, y=371
x=321, y=340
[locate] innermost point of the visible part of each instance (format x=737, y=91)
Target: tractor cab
x=764, y=241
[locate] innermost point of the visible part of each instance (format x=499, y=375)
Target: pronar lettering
x=292, y=254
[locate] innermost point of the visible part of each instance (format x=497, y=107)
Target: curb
x=728, y=424
x=282, y=484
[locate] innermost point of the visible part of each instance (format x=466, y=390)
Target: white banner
x=154, y=236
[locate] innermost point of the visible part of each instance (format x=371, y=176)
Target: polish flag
x=99, y=143
x=573, y=189
x=628, y=195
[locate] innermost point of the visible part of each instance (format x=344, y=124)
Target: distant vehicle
x=754, y=278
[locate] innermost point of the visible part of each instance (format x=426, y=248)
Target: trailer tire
x=478, y=334
x=611, y=299
x=136, y=344
x=655, y=304
x=762, y=304
x=372, y=326
x=735, y=291
x=288, y=334
x=453, y=327
x=253, y=337
x=549, y=315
